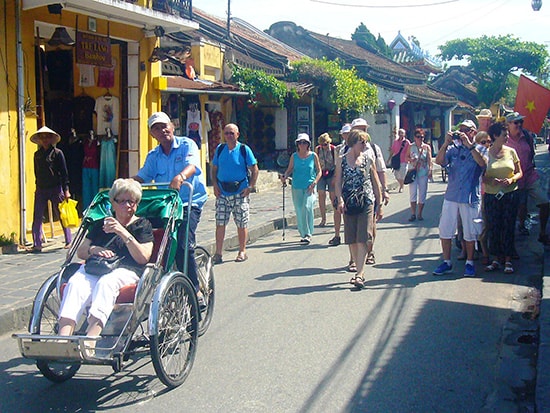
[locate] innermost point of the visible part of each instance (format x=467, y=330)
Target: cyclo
x=159, y=316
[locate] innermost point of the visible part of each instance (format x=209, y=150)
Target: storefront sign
x=92, y=49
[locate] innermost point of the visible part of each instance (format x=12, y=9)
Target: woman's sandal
x=412, y=218
x=370, y=259
x=508, y=268
x=352, y=267
x=359, y=282
x=495, y=265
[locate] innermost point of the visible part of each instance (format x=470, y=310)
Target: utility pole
x=228, y=19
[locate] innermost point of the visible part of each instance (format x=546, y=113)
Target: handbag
x=410, y=176
x=395, y=160
x=98, y=265
x=68, y=213
x=356, y=201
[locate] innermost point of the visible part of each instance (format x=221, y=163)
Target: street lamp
x=536, y=4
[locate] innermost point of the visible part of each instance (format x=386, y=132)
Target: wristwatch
x=130, y=238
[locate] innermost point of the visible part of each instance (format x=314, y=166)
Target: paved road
x=289, y=335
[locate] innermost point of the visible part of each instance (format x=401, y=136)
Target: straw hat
x=45, y=130
x=324, y=138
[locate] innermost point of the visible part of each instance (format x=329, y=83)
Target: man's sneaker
x=443, y=269
x=469, y=271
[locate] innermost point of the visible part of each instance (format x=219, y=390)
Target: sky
x=432, y=22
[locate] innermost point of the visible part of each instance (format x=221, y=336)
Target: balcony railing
x=181, y=8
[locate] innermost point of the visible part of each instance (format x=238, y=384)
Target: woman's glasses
x=129, y=202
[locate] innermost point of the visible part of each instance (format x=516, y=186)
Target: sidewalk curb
x=542, y=398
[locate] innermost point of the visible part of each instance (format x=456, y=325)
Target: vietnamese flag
x=533, y=102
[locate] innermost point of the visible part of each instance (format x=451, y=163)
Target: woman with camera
x=419, y=156
x=123, y=235
x=326, y=153
x=501, y=198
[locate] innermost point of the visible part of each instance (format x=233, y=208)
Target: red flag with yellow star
x=533, y=102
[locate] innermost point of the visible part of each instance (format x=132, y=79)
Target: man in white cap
x=52, y=181
x=529, y=185
x=465, y=162
x=176, y=159
x=375, y=153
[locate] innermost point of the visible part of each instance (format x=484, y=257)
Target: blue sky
x=431, y=23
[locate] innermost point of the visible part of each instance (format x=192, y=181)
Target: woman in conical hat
x=52, y=181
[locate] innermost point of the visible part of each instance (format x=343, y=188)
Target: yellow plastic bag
x=68, y=213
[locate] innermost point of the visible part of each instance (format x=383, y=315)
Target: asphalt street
x=289, y=334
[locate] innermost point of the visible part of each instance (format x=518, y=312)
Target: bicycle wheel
x=174, y=327
x=207, y=287
x=55, y=371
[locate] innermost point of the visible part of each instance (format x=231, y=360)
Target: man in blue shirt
x=465, y=162
x=232, y=187
x=174, y=160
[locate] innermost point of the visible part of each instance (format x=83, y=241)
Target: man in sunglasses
x=529, y=185
x=465, y=162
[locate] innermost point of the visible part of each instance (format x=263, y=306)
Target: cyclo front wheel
x=174, y=319
x=48, y=315
x=207, y=287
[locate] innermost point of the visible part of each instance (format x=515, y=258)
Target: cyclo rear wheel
x=207, y=287
x=174, y=329
x=55, y=371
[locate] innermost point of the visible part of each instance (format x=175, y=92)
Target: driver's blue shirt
x=159, y=167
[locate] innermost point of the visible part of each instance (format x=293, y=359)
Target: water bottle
x=108, y=212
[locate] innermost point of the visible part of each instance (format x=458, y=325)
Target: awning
x=122, y=12
x=179, y=84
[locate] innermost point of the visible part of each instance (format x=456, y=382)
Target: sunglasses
x=518, y=122
x=129, y=202
x=299, y=142
x=465, y=130
x=484, y=142
x=229, y=133
x=418, y=136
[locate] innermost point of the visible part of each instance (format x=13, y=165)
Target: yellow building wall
x=149, y=101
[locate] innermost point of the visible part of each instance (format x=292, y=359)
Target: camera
x=456, y=135
x=456, y=139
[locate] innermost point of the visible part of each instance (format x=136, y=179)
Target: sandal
x=370, y=259
x=335, y=241
x=323, y=223
x=358, y=281
x=352, y=267
x=495, y=265
x=412, y=218
x=217, y=259
x=508, y=269
x=241, y=257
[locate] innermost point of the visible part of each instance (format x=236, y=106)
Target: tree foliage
x=366, y=39
x=494, y=58
x=346, y=90
x=258, y=83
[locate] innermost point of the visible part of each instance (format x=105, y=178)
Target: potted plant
x=8, y=244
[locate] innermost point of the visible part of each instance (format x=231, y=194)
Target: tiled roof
x=373, y=60
x=417, y=93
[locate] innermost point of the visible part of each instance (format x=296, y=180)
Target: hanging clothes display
x=86, y=76
x=90, y=170
x=215, y=135
x=107, y=111
x=74, y=154
x=194, y=124
x=107, y=162
x=106, y=75
x=83, y=113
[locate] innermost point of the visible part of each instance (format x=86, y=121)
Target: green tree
x=346, y=90
x=493, y=59
x=364, y=38
x=258, y=83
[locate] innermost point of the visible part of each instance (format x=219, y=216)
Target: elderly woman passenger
x=326, y=153
x=132, y=241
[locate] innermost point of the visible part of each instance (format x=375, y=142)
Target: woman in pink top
x=400, y=144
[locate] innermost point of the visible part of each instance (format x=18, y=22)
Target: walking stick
x=284, y=219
